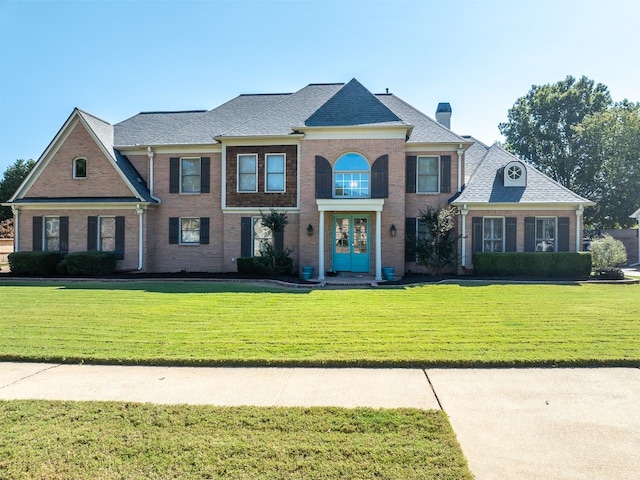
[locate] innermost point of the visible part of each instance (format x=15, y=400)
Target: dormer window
x=514, y=174
x=80, y=168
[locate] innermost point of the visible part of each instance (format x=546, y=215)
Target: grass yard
x=62, y=440
x=207, y=323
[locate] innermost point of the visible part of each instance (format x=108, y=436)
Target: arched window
x=351, y=177
x=80, y=168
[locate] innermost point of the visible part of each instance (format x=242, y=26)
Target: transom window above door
x=351, y=177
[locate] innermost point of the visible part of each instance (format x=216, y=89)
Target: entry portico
x=353, y=205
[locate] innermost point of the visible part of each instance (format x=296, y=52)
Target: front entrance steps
x=347, y=279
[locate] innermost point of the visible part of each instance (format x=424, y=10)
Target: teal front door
x=351, y=243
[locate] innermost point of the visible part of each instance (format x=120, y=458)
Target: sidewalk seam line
x=432, y=388
x=284, y=385
x=29, y=376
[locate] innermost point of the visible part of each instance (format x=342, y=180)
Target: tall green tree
x=610, y=143
x=541, y=128
x=13, y=176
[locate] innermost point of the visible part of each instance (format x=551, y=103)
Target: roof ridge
x=270, y=107
x=171, y=111
x=92, y=116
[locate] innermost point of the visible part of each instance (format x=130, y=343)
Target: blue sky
x=114, y=59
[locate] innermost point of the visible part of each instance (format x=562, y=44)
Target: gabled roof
x=352, y=105
x=104, y=135
x=485, y=185
x=143, y=128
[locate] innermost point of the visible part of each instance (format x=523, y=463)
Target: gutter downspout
x=140, y=212
x=579, y=212
x=459, y=152
x=16, y=229
x=151, y=154
x=463, y=252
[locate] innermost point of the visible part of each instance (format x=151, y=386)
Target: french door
x=351, y=243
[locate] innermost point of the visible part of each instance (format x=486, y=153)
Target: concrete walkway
x=511, y=423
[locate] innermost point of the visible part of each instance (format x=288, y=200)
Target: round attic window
x=514, y=172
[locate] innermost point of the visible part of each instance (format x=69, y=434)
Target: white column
x=378, y=245
x=321, y=247
x=463, y=250
x=579, y=212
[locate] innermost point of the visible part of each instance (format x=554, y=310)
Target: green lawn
x=89, y=440
x=207, y=323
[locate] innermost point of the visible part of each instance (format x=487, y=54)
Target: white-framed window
x=79, y=168
x=428, y=175
x=493, y=234
x=190, y=230
x=261, y=236
x=190, y=175
x=546, y=234
x=107, y=234
x=275, y=172
x=248, y=173
x=351, y=177
x=422, y=234
x=51, y=234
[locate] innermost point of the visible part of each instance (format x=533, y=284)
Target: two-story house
x=184, y=191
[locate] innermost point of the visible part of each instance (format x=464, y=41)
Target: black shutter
x=380, y=177
x=205, y=174
x=174, y=230
x=324, y=179
x=119, y=238
x=204, y=230
x=92, y=234
x=563, y=234
x=529, y=234
x=37, y=234
x=278, y=241
x=445, y=173
x=174, y=175
x=246, y=237
x=411, y=165
x=476, y=234
x=64, y=235
x=410, y=238
x=511, y=228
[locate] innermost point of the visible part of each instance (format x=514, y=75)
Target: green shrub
x=246, y=265
x=90, y=263
x=563, y=264
x=273, y=262
x=41, y=264
x=608, y=253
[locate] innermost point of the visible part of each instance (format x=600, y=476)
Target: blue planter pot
x=388, y=273
x=307, y=272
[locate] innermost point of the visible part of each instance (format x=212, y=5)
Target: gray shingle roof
x=425, y=129
x=485, y=185
x=352, y=105
x=290, y=112
x=143, y=128
x=473, y=156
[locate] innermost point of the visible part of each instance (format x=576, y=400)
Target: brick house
x=183, y=191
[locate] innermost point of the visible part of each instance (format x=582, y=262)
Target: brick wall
x=78, y=231
x=520, y=216
x=394, y=205
x=57, y=180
